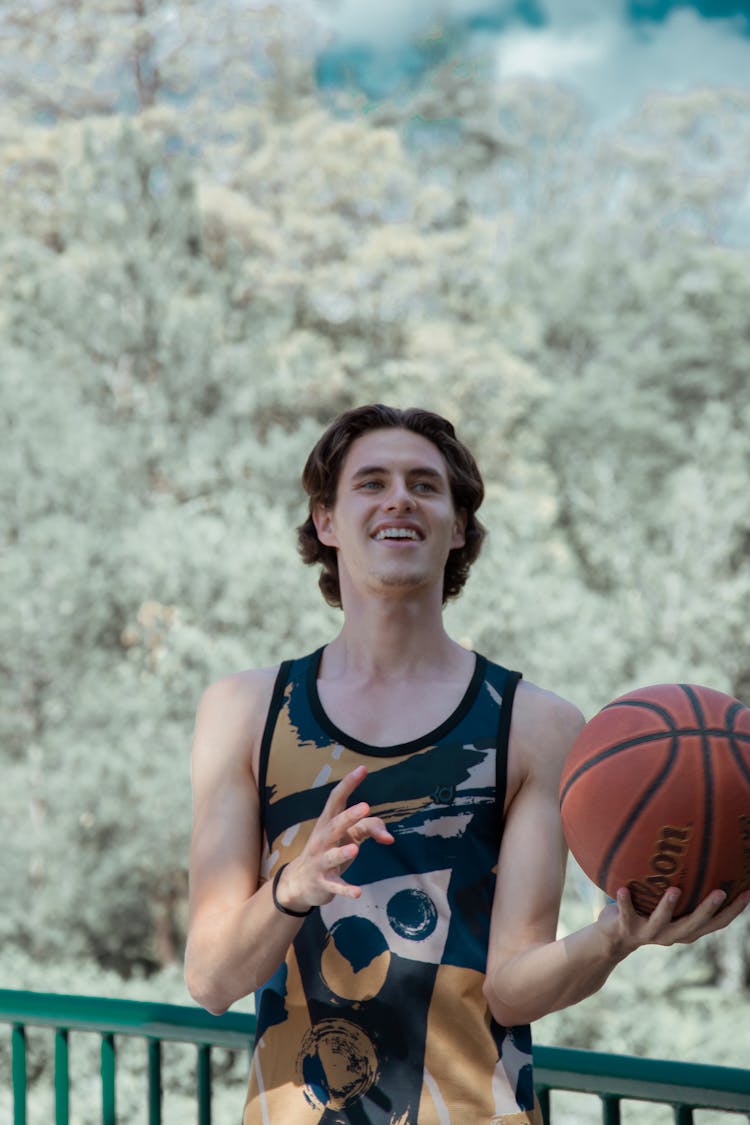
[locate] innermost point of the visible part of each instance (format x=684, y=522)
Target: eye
x=424, y=486
x=369, y=485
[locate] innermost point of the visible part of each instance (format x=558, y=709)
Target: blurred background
x=224, y=222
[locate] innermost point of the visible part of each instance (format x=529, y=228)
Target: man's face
x=393, y=521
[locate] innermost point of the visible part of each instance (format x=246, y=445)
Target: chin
x=403, y=581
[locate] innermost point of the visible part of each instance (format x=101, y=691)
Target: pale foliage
x=183, y=309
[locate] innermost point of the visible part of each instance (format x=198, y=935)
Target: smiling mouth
x=397, y=533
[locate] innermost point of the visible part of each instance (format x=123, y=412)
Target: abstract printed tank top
x=377, y=1015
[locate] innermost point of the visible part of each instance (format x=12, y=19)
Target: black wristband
x=277, y=904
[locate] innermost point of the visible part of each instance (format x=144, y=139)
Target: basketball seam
x=637, y=740
x=636, y=811
x=655, y=707
x=735, y=736
x=708, y=801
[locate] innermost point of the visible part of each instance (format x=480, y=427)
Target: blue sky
x=612, y=52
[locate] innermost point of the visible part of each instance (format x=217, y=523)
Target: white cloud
x=553, y=54
x=613, y=65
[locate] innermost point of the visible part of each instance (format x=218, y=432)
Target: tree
x=183, y=311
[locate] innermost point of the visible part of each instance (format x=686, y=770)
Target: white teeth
x=397, y=533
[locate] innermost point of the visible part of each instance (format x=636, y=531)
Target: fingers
x=335, y=861
x=711, y=915
x=695, y=924
x=353, y=822
x=637, y=929
x=371, y=827
x=662, y=915
x=729, y=913
x=662, y=929
x=340, y=857
x=337, y=886
x=334, y=844
x=343, y=825
x=625, y=930
x=341, y=793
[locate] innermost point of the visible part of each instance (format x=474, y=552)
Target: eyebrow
x=417, y=471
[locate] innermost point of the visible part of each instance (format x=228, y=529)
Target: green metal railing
x=155, y=1023
x=614, y=1079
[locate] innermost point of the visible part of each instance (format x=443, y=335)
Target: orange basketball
x=655, y=793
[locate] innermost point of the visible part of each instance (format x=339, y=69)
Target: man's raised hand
x=627, y=930
x=314, y=877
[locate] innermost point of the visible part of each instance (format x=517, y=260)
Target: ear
x=459, y=529
x=323, y=520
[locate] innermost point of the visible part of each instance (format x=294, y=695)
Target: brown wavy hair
x=320, y=479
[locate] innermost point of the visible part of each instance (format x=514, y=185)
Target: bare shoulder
x=231, y=718
x=544, y=728
x=239, y=694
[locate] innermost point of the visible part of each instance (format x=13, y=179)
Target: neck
x=393, y=638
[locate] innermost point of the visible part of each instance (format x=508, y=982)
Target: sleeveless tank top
x=377, y=1016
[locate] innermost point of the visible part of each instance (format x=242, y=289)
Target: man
x=402, y=993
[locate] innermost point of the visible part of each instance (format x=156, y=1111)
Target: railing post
x=154, y=1082
x=610, y=1110
x=18, y=1073
x=204, y=1084
x=687, y=1089
x=62, y=1078
x=109, y=1113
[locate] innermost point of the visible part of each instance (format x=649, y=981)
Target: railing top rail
x=660, y=1080
x=127, y=1017
x=700, y=1085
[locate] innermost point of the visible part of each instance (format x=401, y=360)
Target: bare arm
x=237, y=938
x=529, y=972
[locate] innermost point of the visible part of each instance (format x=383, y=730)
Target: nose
x=399, y=498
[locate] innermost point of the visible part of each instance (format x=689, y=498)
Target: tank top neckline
x=421, y=743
